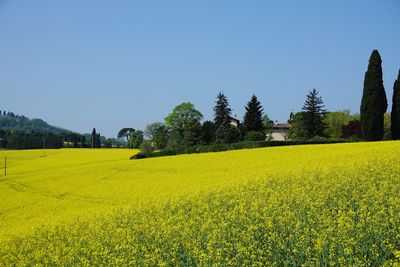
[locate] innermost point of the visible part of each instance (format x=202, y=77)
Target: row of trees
x=17, y=139
x=372, y=124
x=20, y=140
x=374, y=103
x=183, y=127
x=11, y=114
x=9, y=121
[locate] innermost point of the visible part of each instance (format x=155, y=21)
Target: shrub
x=236, y=146
x=254, y=136
x=146, y=148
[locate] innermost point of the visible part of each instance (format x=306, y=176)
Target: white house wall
x=279, y=135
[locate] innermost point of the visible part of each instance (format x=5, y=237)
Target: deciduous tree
x=157, y=134
x=180, y=117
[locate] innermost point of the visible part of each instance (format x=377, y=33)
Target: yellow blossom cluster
x=308, y=205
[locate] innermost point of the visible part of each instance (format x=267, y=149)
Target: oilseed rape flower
x=306, y=205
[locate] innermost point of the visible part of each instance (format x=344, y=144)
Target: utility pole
x=44, y=147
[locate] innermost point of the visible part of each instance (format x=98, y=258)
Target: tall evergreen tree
x=93, y=138
x=98, y=141
x=396, y=110
x=373, y=103
x=253, y=120
x=314, y=111
x=224, y=131
x=222, y=111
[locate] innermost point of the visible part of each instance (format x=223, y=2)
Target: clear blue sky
x=114, y=64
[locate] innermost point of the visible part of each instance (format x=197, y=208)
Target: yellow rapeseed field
x=301, y=205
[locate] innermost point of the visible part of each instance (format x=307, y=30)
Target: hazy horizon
x=79, y=65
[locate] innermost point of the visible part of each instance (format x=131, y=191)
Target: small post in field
x=44, y=147
x=5, y=165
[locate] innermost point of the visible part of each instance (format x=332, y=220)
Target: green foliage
x=267, y=122
x=21, y=140
x=235, y=146
x=20, y=132
x=146, y=148
x=207, y=132
x=387, y=133
x=222, y=111
x=192, y=134
x=125, y=132
x=95, y=139
x=313, y=115
x=227, y=134
x=373, y=103
x=108, y=143
x=136, y=139
x=254, y=136
x=12, y=122
x=157, y=133
x=180, y=117
x=395, y=118
x=299, y=130
x=267, y=125
x=335, y=121
x=253, y=118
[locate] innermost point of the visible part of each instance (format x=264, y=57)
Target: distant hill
x=10, y=121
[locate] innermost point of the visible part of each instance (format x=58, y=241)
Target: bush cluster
x=233, y=146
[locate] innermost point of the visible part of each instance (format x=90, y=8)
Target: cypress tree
x=222, y=111
x=313, y=115
x=253, y=117
x=395, y=117
x=98, y=141
x=93, y=138
x=373, y=103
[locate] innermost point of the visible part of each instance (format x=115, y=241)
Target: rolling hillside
x=10, y=122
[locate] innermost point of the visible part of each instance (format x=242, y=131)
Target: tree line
x=373, y=123
x=20, y=132
x=17, y=139
x=183, y=126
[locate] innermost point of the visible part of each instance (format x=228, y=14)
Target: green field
x=314, y=205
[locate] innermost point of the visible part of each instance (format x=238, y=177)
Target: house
x=280, y=131
x=234, y=121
